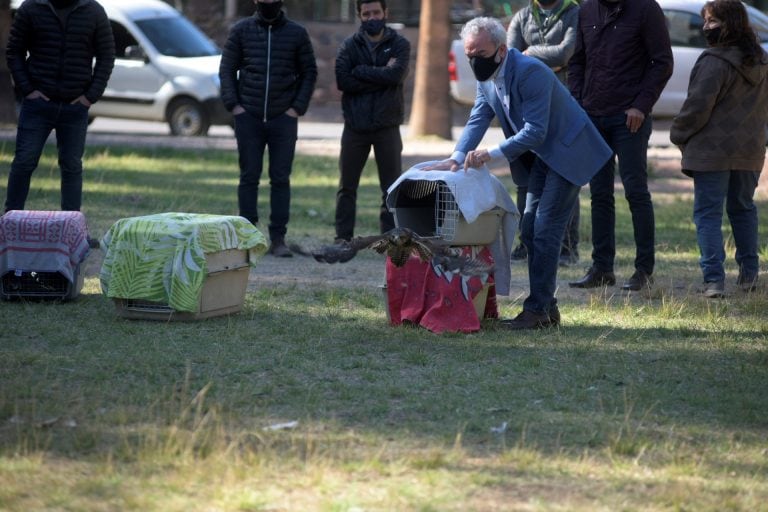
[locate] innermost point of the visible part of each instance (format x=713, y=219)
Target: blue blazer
x=549, y=121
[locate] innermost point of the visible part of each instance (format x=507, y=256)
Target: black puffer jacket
x=276, y=65
x=57, y=59
x=372, y=89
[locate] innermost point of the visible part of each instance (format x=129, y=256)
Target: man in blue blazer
x=538, y=114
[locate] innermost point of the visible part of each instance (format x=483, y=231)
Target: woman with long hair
x=721, y=131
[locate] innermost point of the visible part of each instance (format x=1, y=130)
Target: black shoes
x=531, y=320
x=93, y=243
x=639, y=280
x=568, y=258
x=594, y=279
x=520, y=253
x=278, y=249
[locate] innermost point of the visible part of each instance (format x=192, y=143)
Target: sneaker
x=714, y=290
x=638, y=281
x=520, y=253
x=747, y=284
x=93, y=243
x=278, y=249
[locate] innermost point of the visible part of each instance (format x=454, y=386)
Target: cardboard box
x=40, y=285
x=223, y=292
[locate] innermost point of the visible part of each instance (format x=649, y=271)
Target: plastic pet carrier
x=40, y=285
x=430, y=209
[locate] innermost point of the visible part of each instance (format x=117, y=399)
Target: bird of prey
x=399, y=244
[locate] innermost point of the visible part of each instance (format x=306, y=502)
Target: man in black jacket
x=622, y=62
x=268, y=74
x=60, y=54
x=371, y=66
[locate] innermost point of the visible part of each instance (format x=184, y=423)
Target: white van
x=166, y=69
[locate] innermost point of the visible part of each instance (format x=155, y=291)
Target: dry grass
x=639, y=402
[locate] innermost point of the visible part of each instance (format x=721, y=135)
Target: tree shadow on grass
x=80, y=381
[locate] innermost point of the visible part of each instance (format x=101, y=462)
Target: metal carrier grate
x=418, y=189
x=447, y=214
x=35, y=284
x=147, y=306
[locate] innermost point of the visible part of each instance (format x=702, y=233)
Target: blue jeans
x=736, y=189
x=548, y=207
x=253, y=137
x=631, y=150
x=37, y=119
x=520, y=172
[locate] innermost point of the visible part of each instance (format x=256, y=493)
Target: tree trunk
x=431, y=106
x=7, y=103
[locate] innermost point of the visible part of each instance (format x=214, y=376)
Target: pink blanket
x=43, y=241
x=422, y=294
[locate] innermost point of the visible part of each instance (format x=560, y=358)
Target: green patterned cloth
x=161, y=257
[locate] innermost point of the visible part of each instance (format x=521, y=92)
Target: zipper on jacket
x=269, y=66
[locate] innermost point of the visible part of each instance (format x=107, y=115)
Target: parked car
x=166, y=69
x=685, y=31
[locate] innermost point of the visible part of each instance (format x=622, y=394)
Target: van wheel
x=186, y=117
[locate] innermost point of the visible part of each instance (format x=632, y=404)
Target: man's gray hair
x=485, y=24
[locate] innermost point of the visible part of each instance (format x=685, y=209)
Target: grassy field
x=309, y=400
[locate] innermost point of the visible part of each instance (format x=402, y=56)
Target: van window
x=123, y=39
x=685, y=29
x=177, y=37
x=759, y=23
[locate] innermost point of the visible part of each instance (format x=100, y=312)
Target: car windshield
x=177, y=37
x=759, y=22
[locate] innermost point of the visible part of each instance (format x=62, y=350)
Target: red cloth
x=43, y=241
x=419, y=293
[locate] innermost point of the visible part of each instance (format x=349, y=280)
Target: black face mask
x=60, y=4
x=484, y=67
x=269, y=11
x=374, y=27
x=712, y=35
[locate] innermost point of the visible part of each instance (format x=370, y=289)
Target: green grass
x=653, y=402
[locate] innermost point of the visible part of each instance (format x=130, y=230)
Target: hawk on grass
x=399, y=244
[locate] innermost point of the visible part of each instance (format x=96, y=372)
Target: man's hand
x=476, y=158
x=37, y=94
x=237, y=110
x=291, y=112
x=82, y=100
x=443, y=165
x=635, y=119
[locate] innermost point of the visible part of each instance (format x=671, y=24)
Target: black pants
x=355, y=147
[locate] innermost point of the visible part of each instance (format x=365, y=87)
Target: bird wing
x=462, y=265
x=342, y=252
x=379, y=243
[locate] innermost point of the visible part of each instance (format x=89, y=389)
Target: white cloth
x=475, y=191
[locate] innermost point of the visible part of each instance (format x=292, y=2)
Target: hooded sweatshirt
x=722, y=124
